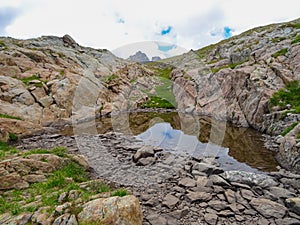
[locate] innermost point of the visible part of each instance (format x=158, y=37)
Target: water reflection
x=236, y=148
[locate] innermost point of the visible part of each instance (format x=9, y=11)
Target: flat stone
x=294, y=205
x=207, y=168
x=33, y=178
x=247, y=194
x=187, y=182
x=217, y=180
x=217, y=205
x=11, y=181
x=288, y=221
x=210, y=218
x=145, y=161
x=203, y=181
x=225, y=213
x=230, y=196
x=249, y=178
x=156, y=219
x=268, y=208
x=170, y=201
x=199, y=196
x=281, y=192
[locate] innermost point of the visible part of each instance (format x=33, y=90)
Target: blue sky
x=110, y=24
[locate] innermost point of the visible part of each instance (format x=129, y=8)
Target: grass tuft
x=59, y=151
x=281, y=52
x=9, y=117
x=287, y=130
x=120, y=192
x=296, y=40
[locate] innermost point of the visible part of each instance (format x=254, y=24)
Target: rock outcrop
x=234, y=80
x=52, y=80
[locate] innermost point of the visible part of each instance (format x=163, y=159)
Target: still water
x=235, y=148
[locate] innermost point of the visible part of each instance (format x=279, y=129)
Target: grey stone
x=145, y=161
x=281, y=192
x=288, y=221
x=199, y=196
x=156, y=219
x=170, y=201
x=207, y=168
x=247, y=194
x=217, y=205
x=230, y=196
x=217, y=180
x=211, y=219
x=268, y=208
x=144, y=152
x=187, y=182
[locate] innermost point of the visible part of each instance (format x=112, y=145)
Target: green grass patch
x=28, y=79
x=287, y=130
x=281, y=52
x=289, y=95
x=6, y=150
x=296, y=40
x=59, y=151
x=9, y=117
x=120, y=192
x=110, y=78
x=13, y=137
x=157, y=102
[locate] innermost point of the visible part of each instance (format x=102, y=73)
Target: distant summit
x=155, y=58
x=139, y=57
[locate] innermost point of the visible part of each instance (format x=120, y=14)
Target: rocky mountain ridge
x=235, y=79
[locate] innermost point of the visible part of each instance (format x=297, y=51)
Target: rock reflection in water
x=237, y=148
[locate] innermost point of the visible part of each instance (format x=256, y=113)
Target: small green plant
x=287, y=130
x=296, y=40
x=281, y=52
x=13, y=137
x=298, y=135
x=28, y=79
x=120, y=193
x=62, y=72
x=9, y=117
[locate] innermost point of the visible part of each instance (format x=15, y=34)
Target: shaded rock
x=247, y=194
x=294, y=205
x=281, y=192
x=268, y=208
x=114, y=210
x=199, y=196
x=207, y=168
x=217, y=205
x=170, y=201
x=217, y=180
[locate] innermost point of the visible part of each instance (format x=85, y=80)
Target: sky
x=168, y=26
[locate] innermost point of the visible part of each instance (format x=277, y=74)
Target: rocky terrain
x=178, y=189
x=50, y=82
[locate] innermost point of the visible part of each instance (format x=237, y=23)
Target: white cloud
x=113, y=23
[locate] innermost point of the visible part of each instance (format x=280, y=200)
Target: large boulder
x=115, y=210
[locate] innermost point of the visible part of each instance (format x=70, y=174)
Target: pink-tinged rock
x=115, y=210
